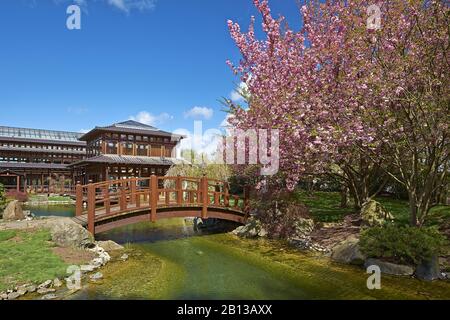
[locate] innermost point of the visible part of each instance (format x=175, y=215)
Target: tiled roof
x=130, y=127
x=133, y=160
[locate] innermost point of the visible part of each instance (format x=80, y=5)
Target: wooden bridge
x=107, y=205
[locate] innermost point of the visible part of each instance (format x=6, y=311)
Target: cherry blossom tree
x=343, y=95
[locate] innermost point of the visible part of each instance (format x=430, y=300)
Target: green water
x=52, y=210
x=170, y=260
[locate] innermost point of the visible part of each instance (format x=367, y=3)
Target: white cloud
x=150, y=119
x=236, y=95
x=199, y=112
x=128, y=5
x=84, y=131
x=123, y=5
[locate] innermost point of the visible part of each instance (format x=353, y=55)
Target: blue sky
x=160, y=61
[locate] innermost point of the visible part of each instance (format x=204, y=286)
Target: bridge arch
x=108, y=205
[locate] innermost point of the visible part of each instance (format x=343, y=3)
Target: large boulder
x=13, y=211
x=390, y=268
x=373, y=214
x=67, y=233
x=429, y=270
x=348, y=252
x=252, y=229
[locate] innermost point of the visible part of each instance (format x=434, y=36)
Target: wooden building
x=125, y=150
x=47, y=161
x=34, y=159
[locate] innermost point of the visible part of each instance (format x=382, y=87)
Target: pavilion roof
x=130, y=127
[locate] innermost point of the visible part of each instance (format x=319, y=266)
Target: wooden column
x=153, y=197
x=18, y=183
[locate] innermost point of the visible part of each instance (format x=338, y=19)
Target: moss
x=27, y=257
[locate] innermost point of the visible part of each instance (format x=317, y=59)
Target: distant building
x=53, y=161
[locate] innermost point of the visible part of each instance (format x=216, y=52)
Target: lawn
x=325, y=207
x=43, y=198
x=27, y=257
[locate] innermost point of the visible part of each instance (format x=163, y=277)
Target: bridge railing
x=114, y=197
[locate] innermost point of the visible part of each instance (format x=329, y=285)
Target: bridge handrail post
x=179, y=187
x=133, y=190
x=79, y=199
x=91, y=208
x=217, y=194
x=154, y=195
x=123, y=198
x=247, y=199
x=205, y=197
x=226, y=197
x=106, y=199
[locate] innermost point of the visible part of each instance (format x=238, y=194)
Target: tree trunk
x=345, y=193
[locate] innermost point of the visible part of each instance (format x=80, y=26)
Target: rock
x=252, y=229
x=390, y=268
x=303, y=227
x=88, y=268
x=110, y=246
x=97, y=262
x=96, y=277
x=31, y=289
x=13, y=296
x=57, y=283
x=67, y=233
x=46, y=284
x=373, y=214
x=13, y=211
x=429, y=270
x=50, y=296
x=124, y=257
x=4, y=296
x=22, y=291
x=348, y=252
x=45, y=291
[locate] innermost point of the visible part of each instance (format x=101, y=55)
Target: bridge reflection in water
x=111, y=204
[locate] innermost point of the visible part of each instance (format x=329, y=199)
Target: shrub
x=2, y=197
x=280, y=214
x=402, y=244
x=17, y=195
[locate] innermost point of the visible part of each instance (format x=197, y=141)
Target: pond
x=171, y=260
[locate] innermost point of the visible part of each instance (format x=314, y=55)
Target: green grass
x=26, y=257
x=325, y=207
x=59, y=198
x=43, y=198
